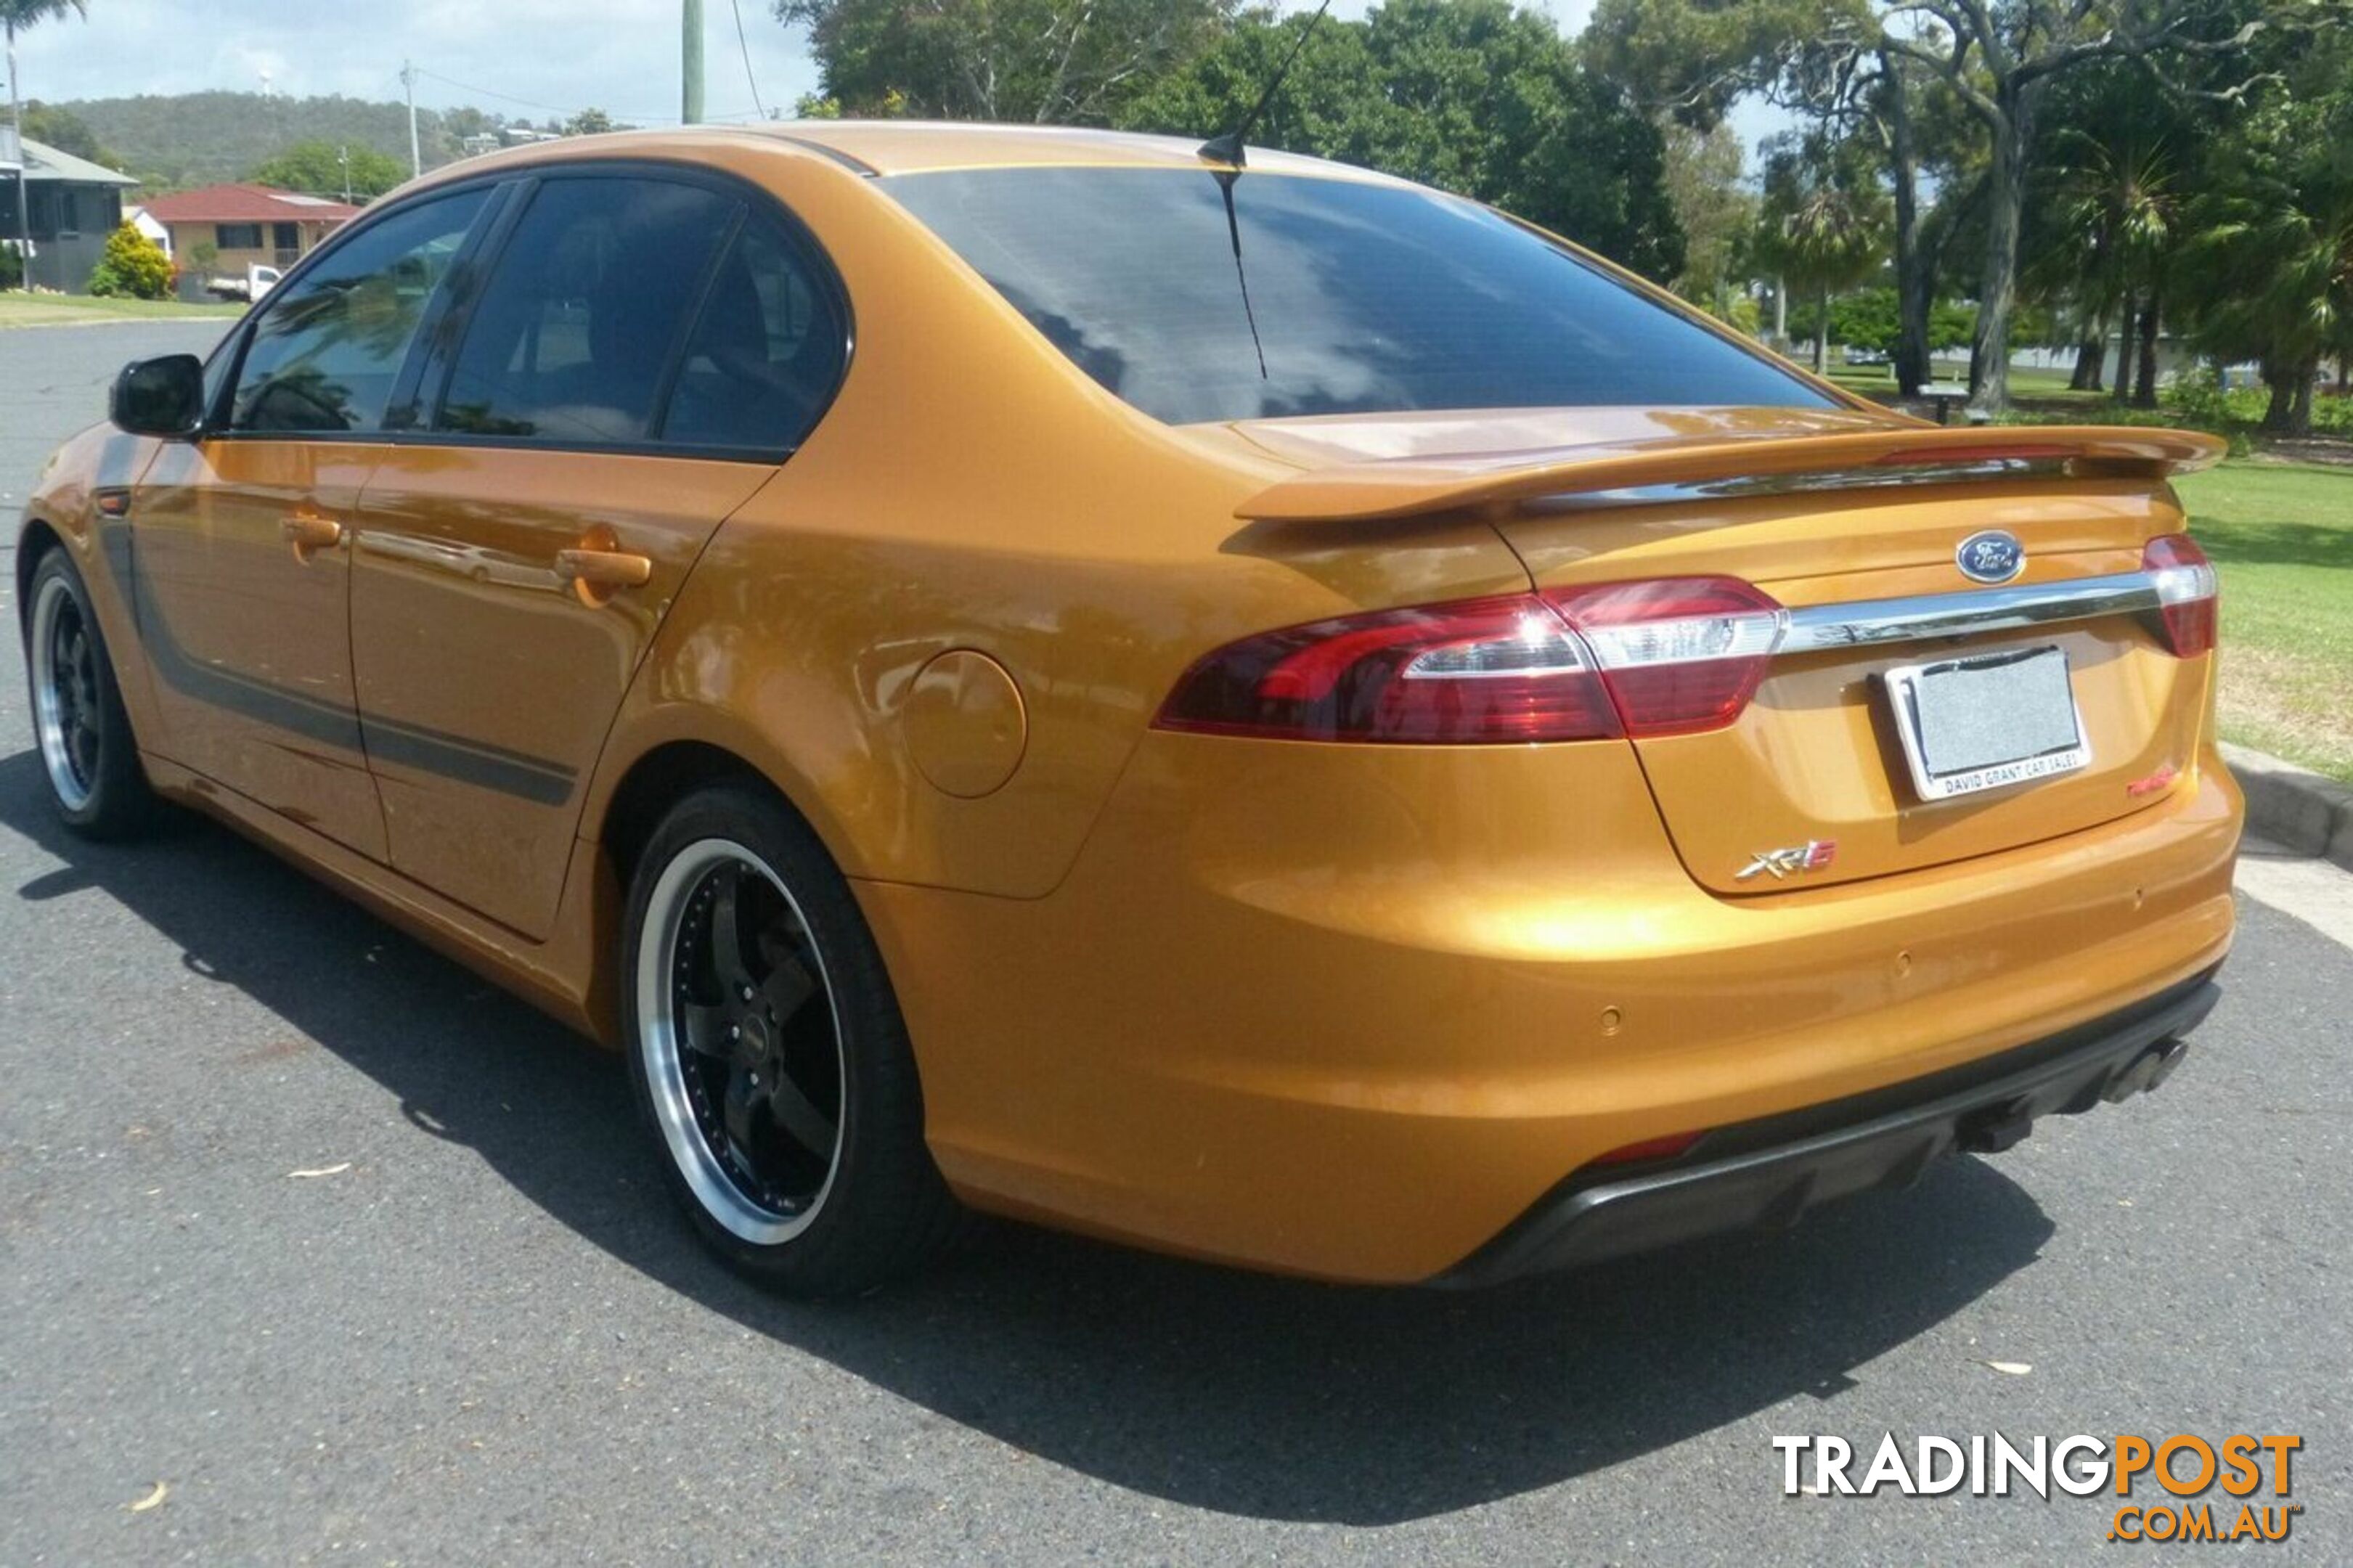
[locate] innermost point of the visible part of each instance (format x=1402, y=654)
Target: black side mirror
x=159, y=396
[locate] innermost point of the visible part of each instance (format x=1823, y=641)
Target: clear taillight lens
x=1644, y=658
x=2186, y=592
x=1678, y=654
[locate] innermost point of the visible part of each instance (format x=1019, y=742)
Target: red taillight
x=1503, y=669
x=2186, y=592
x=1678, y=654
x=1661, y=658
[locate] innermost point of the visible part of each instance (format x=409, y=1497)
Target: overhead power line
x=745, y=44
x=535, y=103
x=759, y=110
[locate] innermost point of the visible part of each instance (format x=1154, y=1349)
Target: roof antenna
x=1228, y=148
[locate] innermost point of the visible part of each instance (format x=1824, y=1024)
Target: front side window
x=1370, y=298
x=328, y=347
x=765, y=353
x=578, y=326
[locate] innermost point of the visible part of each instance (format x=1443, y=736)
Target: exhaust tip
x=2149, y=1069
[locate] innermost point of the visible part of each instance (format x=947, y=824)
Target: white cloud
x=542, y=56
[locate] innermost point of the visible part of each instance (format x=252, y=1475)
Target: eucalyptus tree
x=1049, y=61
x=1482, y=98
x=1997, y=57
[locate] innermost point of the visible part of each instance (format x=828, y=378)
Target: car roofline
x=884, y=147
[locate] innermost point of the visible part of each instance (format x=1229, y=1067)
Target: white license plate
x=1984, y=722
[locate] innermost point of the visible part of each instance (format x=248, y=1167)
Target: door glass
x=766, y=355
x=578, y=324
x=326, y=351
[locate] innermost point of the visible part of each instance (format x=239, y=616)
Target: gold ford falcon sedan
x=1225, y=701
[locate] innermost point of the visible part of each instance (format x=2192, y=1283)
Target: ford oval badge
x=1992, y=556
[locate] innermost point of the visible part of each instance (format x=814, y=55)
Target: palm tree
x=2279, y=256
x=16, y=15
x=1824, y=225
x=2123, y=207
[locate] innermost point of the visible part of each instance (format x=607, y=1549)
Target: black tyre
x=87, y=750
x=767, y=1049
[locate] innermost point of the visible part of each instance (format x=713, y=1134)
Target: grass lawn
x=1879, y=380
x=2282, y=536
x=65, y=310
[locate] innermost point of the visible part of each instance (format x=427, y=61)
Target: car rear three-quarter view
x=1249, y=707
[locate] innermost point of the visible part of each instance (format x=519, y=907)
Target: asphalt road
x=484, y=1337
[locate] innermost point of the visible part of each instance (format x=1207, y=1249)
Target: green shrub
x=134, y=265
x=2197, y=397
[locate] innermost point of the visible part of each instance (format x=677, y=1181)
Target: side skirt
x=561, y=976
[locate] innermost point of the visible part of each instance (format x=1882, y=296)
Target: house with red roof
x=246, y=224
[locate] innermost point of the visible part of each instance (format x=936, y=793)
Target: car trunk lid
x=1852, y=523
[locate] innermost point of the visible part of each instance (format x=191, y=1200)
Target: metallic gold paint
x=1339, y=1010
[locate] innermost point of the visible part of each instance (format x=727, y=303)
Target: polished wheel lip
x=60, y=714
x=662, y=1040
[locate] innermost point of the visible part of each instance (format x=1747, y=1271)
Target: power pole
x=343, y=154
x=690, y=59
x=409, y=82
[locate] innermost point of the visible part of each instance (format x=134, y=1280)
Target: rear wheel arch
x=659, y=779
x=626, y=815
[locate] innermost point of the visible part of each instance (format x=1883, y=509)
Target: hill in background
x=183, y=140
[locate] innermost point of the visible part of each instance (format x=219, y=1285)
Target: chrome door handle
x=307, y=531
x=604, y=568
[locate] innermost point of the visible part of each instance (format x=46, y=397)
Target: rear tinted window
x=578, y=327
x=765, y=353
x=1369, y=298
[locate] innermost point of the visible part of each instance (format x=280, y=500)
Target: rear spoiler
x=1411, y=487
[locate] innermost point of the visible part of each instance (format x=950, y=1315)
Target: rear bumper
x=1351, y=1012
x=1765, y=1174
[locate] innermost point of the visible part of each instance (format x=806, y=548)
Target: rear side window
x=575, y=332
x=1369, y=298
x=765, y=353
x=327, y=348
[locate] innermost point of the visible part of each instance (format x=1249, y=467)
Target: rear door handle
x=307, y=531
x=604, y=568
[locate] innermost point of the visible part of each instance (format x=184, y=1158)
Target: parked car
x=254, y=282
x=1252, y=708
